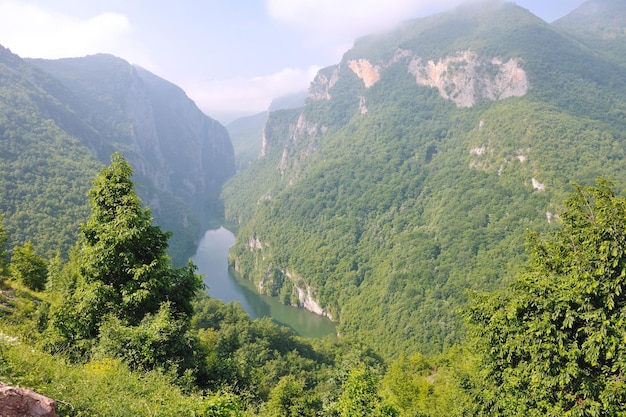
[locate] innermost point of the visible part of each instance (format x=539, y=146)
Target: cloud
x=31, y=31
x=248, y=95
x=342, y=21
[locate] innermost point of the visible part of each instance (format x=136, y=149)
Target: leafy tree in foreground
x=553, y=344
x=123, y=250
x=123, y=272
x=29, y=268
x=290, y=398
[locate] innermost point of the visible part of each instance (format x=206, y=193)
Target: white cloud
x=31, y=31
x=342, y=21
x=247, y=95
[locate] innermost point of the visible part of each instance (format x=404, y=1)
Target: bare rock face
x=367, y=72
x=465, y=78
x=323, y=82
x=21, y=402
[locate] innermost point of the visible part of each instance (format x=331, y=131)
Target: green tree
x=159, y=339
x=553, y=343
x=123, y=270
x=360, y=396
x=290, y=398
x=123, y=250
x=28, y=268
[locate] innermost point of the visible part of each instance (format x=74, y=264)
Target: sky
x=232, y=57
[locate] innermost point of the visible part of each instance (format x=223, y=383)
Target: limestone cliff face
x=304, y=133
x=364, y=69
x=323, y=82
x=180, y=156
x=464, y=78
x=180, y=149
x=172, y=146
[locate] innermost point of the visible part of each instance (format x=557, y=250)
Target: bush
x=28, y=268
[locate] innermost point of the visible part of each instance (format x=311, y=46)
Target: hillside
x=64, y=118
x=596, y=19
x=419, y=164
x=600, y=24
x=246, y=133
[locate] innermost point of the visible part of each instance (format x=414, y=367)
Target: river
x=212, y=260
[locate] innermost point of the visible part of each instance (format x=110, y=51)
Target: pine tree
x=124, y=272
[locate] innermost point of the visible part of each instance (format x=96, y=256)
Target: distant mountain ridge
x=246, y=133
x=601, y=25
x=103, y=104
x=417, y=166
x=596, y=18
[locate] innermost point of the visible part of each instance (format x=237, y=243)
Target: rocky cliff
x=98, y=105
x=169, y=142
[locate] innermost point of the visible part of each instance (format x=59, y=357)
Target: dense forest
x=467, y=235
x=116, y=330
x=389, y=197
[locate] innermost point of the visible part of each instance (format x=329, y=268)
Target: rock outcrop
x=464, y=78
x=22, y=402
x=323, y=82
x=369, y=73
x=180, y=157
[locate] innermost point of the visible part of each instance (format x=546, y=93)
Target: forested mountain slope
x=245, y=134
x=601, y=25
x=44, y=169
x=62, y=119
x=596, y=19
x=417, y=167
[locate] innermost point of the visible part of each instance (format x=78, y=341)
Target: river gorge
x=222, y=283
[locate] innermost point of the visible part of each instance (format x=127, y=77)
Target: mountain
x=596, y=19
x=290, y=101
x=417, y=167
x=64, y=118
x=246, y=133
x=601, y=25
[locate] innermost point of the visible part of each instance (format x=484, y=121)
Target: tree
x=360, y=396
x=290, y=398
x=159, y=340
x=553, y=343
x=123, y=250
x=28, y=268
x=123, y=268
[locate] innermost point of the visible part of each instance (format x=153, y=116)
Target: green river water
x=212, y=260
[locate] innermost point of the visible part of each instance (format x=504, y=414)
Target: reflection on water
x=212, y=261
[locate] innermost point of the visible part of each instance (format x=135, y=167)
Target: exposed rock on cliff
x=369, y=73
x=323, y=82
x=464, y=78
x=180, y=156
